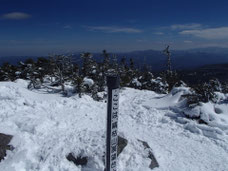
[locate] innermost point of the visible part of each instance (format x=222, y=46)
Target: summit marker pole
x=112, y=123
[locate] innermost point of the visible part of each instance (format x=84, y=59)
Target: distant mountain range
x=181, y=59
x=205, y=73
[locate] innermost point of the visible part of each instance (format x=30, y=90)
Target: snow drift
x=46, y=127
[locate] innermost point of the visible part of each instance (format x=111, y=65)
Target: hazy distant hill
x=15, y=59
x=205, y=73
x=181, y=59
x=187, y=59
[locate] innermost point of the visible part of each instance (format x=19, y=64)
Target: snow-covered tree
x=7, y=72
x=62, y=69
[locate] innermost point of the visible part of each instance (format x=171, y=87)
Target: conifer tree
x=62, y=69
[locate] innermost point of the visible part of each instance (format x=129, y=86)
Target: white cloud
x=159, y=33
x=67, y=27
x=141, y=40
x=185, y=26
x=209, y=33
x=114, y=29
x=16, y=16
x=187, y=41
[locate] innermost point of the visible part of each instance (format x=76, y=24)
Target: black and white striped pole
x=112, y=123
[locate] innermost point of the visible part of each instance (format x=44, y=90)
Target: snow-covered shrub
x=159, y=85
x=183, y=88
x=201, y=93
x=145, y=78
x=8, y=72
x=34, y=84
x=170, y=77
x=205, y=102
x=69, y=90
x=88, y=82
x=146, y=81
x=135, y=83
x=215, y=85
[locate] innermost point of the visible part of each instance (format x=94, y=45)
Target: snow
x=167, y=101
x=87, y=81
x=17, y=72
x=46, y=127
x=136, y=82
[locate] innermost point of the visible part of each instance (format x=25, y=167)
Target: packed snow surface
x=46, y=127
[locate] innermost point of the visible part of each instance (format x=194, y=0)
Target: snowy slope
x=46, y=127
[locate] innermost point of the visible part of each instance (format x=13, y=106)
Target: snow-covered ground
x=46, y=127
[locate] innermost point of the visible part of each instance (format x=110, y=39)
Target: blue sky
x=40, y=27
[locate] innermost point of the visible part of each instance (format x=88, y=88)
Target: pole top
x=113, y=81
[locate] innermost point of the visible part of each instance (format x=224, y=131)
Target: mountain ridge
x=180, y=59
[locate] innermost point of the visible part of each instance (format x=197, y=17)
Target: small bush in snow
x=203, y=93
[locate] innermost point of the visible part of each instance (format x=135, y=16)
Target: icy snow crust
x=46, y=127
